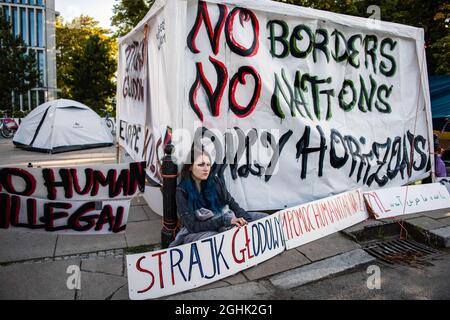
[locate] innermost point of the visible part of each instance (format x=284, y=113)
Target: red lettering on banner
x=106, y=216
x=31, y=212
x=239, y=110
x=88, y=184
x=140, y=269
x=213, y=35
x=323, y=212
x=330, y=209
x=6, y=183
x=50, y=216
x=161, y=276
x=369, y=196
x=244, y=15
x=247, y=243
x=299, y=230
x=15, y=210
x=214, y=97
x=118, y=222
x=233, y=248
x=5, y=210
x=318, y=217
x=309, y=218
x=304, y=219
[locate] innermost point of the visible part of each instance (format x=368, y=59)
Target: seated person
x=205, y=207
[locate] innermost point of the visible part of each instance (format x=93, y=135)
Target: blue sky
x=100, y=10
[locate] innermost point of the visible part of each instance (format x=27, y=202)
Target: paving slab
x=22, y=245
x=152, y=215
x=246, y=291
x=137, y=213
x=214, y=285
x=445, y=221
x=438, y=214
x=426, y=223
x=282, y=262
x=444, y=236
x=236, y=279
x=109, y=265
x=74, y=244
x=326, y=247
x=321, y=269
x=37, y=281
x=138, y=201
x=99, y=286
x=122, y=294
x=405, y=217
x=143, y=233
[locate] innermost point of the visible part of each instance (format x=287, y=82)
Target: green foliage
x=19, y=71
x=19, y=113
x=87, y=62
x=128, y=13
x=429, y=15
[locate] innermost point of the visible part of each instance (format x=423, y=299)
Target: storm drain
x=404, y=252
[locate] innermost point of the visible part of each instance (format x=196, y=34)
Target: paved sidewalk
x=35, y=265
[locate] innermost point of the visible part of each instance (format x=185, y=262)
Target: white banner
x=63, y=217
x=445, y=182
x=80, y=183
x=294, y=104
x=318, y=219
x=135, y=131
x=165, y=272
x=393, y=202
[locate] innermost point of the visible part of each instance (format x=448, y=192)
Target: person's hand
x=239, y=222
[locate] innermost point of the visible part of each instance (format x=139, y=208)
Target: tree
x=128, y=13
x=86, y=61
x=92, y=71
x=19, y=72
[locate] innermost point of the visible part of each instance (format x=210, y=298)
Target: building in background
x=34, y=22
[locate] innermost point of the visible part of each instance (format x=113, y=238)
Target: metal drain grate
x=406, y=252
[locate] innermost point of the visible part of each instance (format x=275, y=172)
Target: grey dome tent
x=62, y=125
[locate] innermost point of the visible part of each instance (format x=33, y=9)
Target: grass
x=142, y=249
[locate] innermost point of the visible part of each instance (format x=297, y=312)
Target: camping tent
x=62, y=125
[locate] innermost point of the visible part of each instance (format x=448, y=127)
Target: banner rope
x=403, y=231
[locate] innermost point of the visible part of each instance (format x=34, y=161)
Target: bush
x=19, y=114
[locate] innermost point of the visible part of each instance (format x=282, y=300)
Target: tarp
x=294, y=104
x=440, y=96
x=62, y=125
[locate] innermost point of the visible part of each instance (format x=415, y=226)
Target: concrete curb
x=321, y=269
x=439, y=237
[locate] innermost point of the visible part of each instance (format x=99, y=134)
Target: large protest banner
x=70, y=200
x=141, y=85
x=294, y=104
x=393, y=202
x=112, y=181
x=165, y=272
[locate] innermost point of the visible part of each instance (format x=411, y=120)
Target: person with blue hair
x=205, y=207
